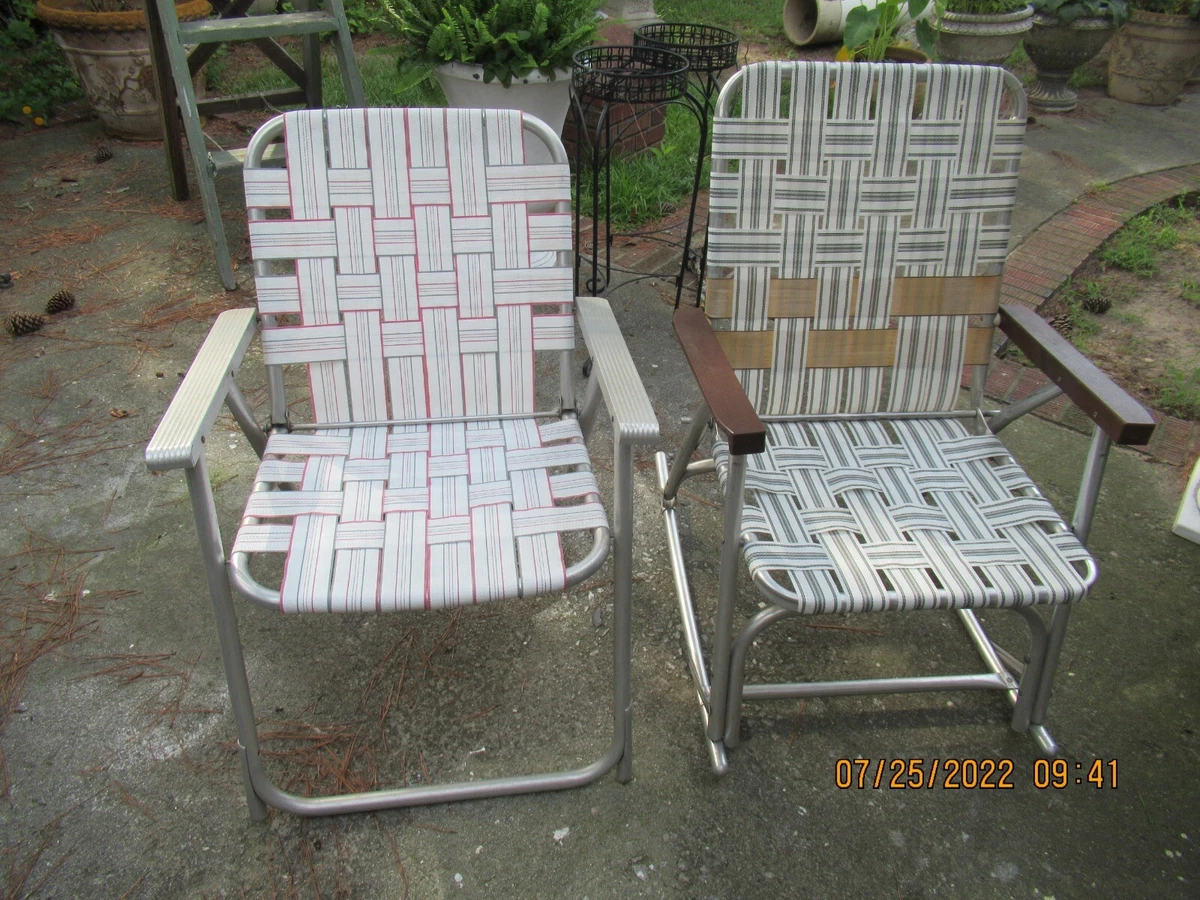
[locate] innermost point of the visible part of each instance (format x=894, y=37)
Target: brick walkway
x=1050, y=255
x=1034, y=271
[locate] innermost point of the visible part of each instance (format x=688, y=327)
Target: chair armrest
x=1124, y=419
x=177, y=441
x=722, y=391
x=624, y=396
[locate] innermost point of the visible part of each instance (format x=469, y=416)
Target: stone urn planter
x=981, y=39
x=1152, y=57
x=1057, y=49
x=109, y=52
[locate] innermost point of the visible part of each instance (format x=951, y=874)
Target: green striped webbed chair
x=859, y=224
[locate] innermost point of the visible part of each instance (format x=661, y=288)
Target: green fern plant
x=507, y=38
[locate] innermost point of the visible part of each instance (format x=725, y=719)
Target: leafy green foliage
x=1067, y=11
x=1170, y=7
x=869, y=32
x=752, y=20
x=985, y=7
x=365, y=16
x=507, y=38
x=1179, y=391
x=377, y=67
x=1189, y=290
x=648, y=185
x=34, y=75
x=1136, y=247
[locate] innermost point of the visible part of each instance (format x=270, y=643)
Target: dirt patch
x=1134, y=308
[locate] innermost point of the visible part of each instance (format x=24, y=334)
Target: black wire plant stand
x=667, y=64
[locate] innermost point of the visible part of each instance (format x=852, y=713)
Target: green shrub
x=34, y=78
x=507, y=38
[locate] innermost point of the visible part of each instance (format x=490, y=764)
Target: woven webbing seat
x=415, y=268
x=868, y=516
x=859, y=226
x=429, y=517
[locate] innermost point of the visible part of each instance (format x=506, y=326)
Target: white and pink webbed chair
x=419, y=268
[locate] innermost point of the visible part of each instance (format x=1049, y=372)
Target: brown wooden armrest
x=1124, y=419
x=722, y=391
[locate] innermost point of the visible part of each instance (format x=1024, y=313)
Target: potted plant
x=483, y=51
x=871, y=32
x=106, y=44
x=1066, y=34
x=983, y=32
x=1155, y=51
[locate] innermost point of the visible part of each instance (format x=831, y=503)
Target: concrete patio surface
x=119, y=777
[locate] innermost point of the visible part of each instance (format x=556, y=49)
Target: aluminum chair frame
x=179, y=443
x=726, y=409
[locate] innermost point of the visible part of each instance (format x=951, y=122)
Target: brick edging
x=1051, y=254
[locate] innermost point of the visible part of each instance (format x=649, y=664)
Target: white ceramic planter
x=823, y=21
x=534, y=94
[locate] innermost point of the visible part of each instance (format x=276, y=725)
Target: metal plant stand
x=667, y=64
x=709, y=52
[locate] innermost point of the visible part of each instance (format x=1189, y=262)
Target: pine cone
x=1062, y=323
x=103, y=154
x=5, y=280
x=60, y=302
x=22, y=324
x=1097, y=303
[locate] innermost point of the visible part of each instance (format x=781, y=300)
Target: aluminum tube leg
x=1089, y=486
x=687, y=615
x=209, y=533
x=1014, y=411
x=1081, y=524
x=279, y=410
x=726, y=595
x=237, y=404
x=1034, y=668
x=737, y=673
x=623, y=601
x=591, y=403
x=686, y=449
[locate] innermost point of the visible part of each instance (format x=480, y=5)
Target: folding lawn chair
x=860, y=223
x=397, y=258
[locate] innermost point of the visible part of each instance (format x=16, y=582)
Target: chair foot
x=258, y=809
x=1046, y=744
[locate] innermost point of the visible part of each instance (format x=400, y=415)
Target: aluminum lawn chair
x=419, y=269
x=860, y=223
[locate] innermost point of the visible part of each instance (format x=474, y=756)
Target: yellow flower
x=38, y=120
x=27, y=109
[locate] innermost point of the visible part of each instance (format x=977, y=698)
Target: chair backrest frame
x=859, y=222
x=418, y=251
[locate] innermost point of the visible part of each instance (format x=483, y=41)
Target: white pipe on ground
x=823, y=21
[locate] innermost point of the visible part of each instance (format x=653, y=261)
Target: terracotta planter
x=1152, y=57
x=981, y=39
x=110, y=55
x=1057, y=49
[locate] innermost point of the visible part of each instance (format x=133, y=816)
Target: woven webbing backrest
x=415, y=292
x=860, y=221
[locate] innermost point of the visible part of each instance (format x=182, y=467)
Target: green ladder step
x=235, y=159
x=211, y=31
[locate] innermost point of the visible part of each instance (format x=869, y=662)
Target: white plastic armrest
x=624, y=397
x=177, y=441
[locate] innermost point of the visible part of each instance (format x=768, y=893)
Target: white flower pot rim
x=472, y=72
